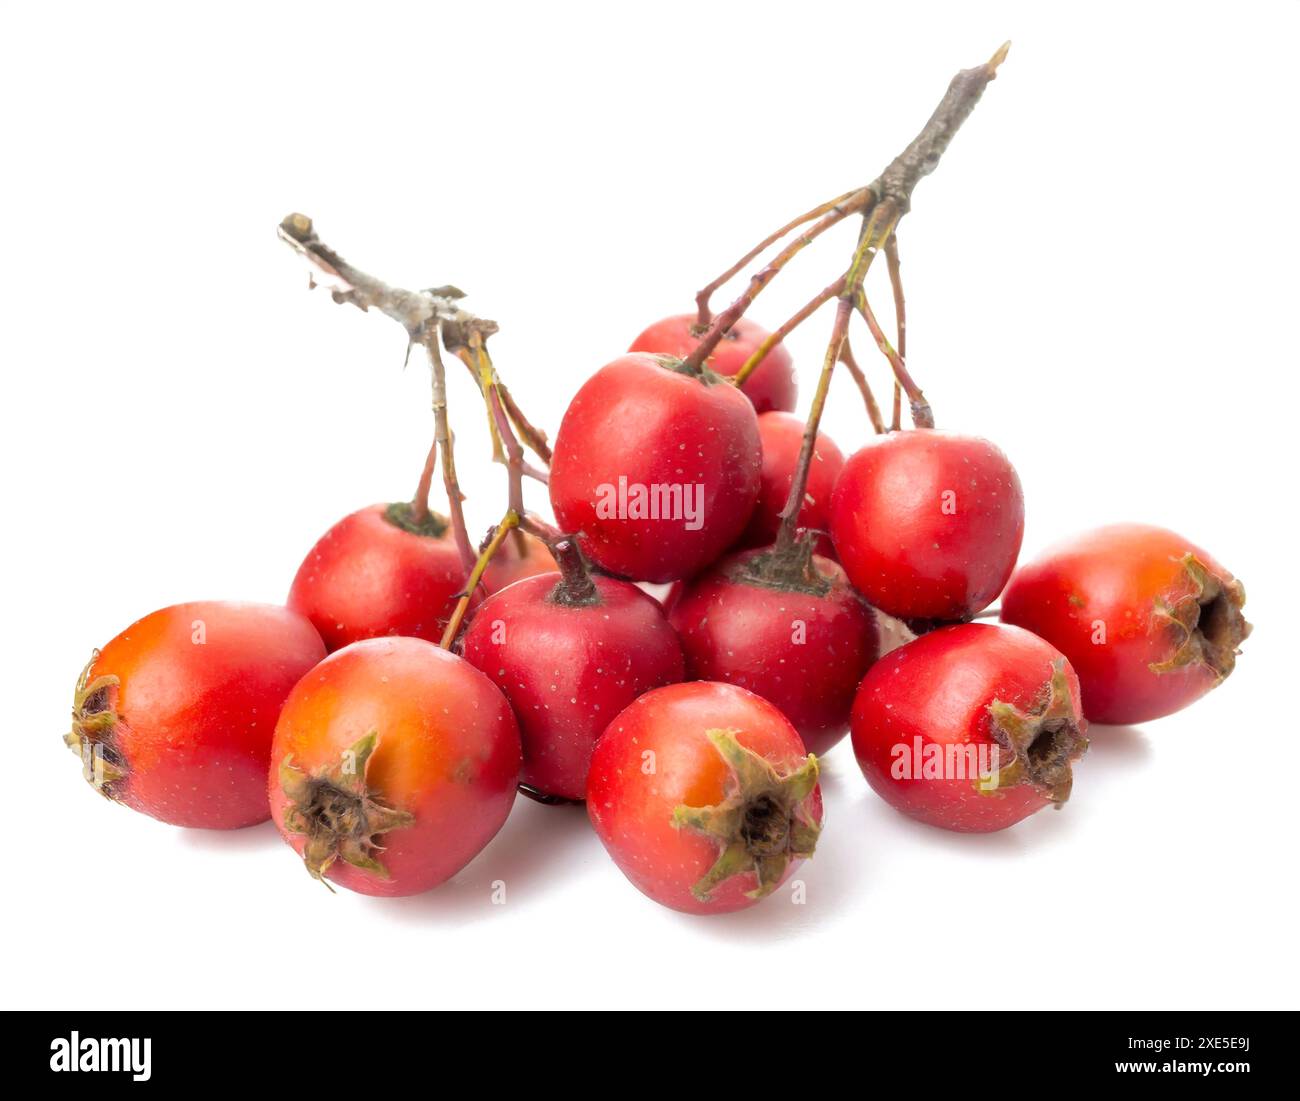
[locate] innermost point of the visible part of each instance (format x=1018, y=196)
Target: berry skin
x=970, y=728
x=781, y=435
x=374, y=573
x=174, y=717
x=771, y=386
x=1150, y=621
x=655, y=469
x=802, y=641
x=928, y=524
x=508, y=565
x=394, y=763
x=704, y=797
x=569, y=662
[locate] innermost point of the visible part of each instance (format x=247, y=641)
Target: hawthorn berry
x=771, y=386
x=380, y=571
x=394, y=763
x=174, y=716
x=570, y=652
x=972, y=727
x=703, y=795
x=1150, y=620
x=656, y=467
x=787, y=626
x=781, y=436
x=928, y=524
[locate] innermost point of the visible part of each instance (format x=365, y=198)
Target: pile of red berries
x=386, y=717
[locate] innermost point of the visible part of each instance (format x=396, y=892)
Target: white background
x=1101, y=278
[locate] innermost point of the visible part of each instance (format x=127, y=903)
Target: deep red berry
x=928, y=524
x=394, y=763
x=970, y=728
x=704, y=797
x=655, y=468
x=771, y=386
x=174, y=717
x=781, y=435
x=569, y=658
x=1150, y=621
x=793, y=631
x=377, y=573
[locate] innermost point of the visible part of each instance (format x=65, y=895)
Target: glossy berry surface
x=372, y=575
x=970, y=728
x=1150, y=621
x=928, y=524
x=771, y=386
x=803, y=646
x=704, y=797
x=655, y=470
x=510, y=564
x=394, y=763
x=568, y=664
x=174, y=716
x=781, y=436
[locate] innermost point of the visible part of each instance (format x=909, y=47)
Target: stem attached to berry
x=702, y=298
x=860, y=379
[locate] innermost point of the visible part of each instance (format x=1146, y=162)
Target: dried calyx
x=336, y=812
x=1207, y=625
x=684, y=367
x=763, y=824
x=405, y=515
x=1043, y=741
x=93, y=734
x=786, y=566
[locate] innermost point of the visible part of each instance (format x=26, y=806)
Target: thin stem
x=785, y=536
x=533, y=438
x=496, y=537
x=579, y=588
x=420, y=501
x=702, y=298
x=444, y=441
x=900, y=321
x=922, y=414
x=773, y=339
x=723, y=323
x=868, y=398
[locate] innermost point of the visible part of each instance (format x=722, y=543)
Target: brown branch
x=922, y=414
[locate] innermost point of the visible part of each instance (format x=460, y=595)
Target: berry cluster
x=721, y=598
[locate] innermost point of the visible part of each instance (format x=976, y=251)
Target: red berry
x=570, y=658
x=971, y=727
x=927, y=524
x=771, y=386
x=655, y=469
x=704, y=797
x=1150, y=621
x=509, y=564
x=174, y=717
x=376, y=573
x=799, y=636
x=782, y=438
x=394, y=764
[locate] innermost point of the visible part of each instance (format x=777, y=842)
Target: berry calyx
x=337, y=813
x=762, y=824
x=94, y=723
x=1043, y=741
x=418, y=521
x=1207, y=624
